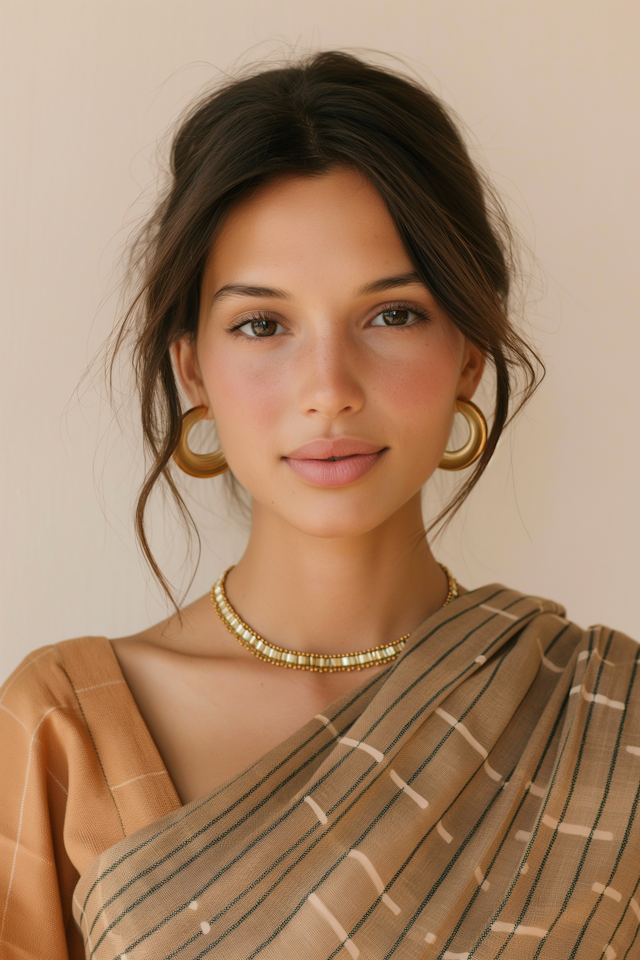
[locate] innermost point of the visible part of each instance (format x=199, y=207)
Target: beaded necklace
x=298, y=660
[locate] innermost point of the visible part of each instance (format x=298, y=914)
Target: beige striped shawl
x=478, y=799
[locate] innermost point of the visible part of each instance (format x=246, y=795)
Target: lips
x=334, y=463
x=338, y=447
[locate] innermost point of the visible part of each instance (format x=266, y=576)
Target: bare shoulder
x=177, y=652
x=191, y=682
x=194, y=631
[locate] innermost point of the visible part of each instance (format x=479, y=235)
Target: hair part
x=302, y=119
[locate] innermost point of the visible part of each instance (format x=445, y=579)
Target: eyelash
x=259, y=315
x=421, y=316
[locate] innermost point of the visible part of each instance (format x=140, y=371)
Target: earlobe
x=187, y=370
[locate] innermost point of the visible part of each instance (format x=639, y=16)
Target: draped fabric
x=478, y=798
x=78, y=772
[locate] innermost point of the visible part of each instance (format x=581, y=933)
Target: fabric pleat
x=478, y=798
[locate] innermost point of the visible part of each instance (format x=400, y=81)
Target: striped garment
x=477, y=799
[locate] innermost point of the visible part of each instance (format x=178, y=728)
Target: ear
x=187, y=368
x=473, y=362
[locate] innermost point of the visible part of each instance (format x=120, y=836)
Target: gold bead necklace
x=296, y=659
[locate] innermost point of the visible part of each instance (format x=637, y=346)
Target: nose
x=330, y=379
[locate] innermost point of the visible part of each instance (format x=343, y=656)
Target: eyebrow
x=401, y=280
x=247, y=290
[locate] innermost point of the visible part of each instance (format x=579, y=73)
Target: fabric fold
x=477, y=798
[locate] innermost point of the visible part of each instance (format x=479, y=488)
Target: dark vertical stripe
x=554, y=834
x=506, y=837
x=630, y=821
x=574, y=779
x=509, y=630
x=534, y=834
x=309, y=849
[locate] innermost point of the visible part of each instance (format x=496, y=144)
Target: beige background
x=549, y=90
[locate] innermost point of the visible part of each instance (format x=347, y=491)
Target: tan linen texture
x=78, y=772
x=477, y=799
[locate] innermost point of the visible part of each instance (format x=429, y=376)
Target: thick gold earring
x=197, y=464
x=471, y=450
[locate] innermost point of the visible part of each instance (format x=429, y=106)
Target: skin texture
x=327, y=569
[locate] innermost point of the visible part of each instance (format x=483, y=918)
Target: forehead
x=336, y=224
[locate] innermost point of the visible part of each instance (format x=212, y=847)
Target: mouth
x=334, y=463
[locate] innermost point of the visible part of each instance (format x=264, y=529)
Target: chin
x=335, y=520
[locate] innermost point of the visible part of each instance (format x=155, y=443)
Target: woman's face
x=317, y=341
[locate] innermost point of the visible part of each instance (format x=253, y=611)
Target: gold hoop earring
x=472, y=449
x=197, y=464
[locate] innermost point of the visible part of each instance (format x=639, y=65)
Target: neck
x=334, y=595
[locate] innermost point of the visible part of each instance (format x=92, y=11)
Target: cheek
x=247, y=398
x=418, y=389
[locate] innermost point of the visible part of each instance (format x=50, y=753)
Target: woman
x=443, y=773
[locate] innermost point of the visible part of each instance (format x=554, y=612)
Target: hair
x=302, y=119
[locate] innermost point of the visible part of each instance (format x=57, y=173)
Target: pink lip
x=311, y=461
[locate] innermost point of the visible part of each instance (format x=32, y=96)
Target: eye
x=395, y=317
x=261, y=327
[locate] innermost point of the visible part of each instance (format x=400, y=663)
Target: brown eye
x=264, y=328
x=395, y=318
x=261, y=327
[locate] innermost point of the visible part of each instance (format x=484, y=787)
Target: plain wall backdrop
x=549, y=92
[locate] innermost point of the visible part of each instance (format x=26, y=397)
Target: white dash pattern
x=410, y=792
x=460, y=727
x=576, y=829
x=335, y=925
x=535, y=789
x=317, y=809
x=330, y=727
x=488, y=769
x=597, y=698
x=482, y=883
x=500, y=927
x=607, y=891
x=361, y=745
x=548, y=663
x=376, y=879
x=446, y=836
x=471, y=740
x=503, y=613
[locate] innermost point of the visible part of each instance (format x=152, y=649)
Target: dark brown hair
x=301, y=119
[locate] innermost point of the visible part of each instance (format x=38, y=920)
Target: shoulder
x=44, y=681
x=194, y=631
x=614, y=650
